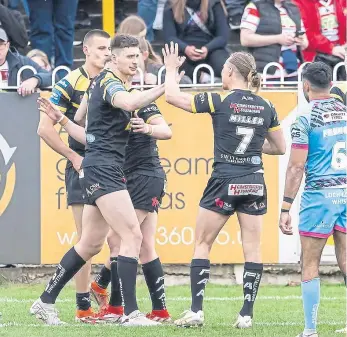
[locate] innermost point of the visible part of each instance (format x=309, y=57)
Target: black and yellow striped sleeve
x=149, y=112
x=339, y=92
x=111, y=87
x=62, y=93
x=205, y=102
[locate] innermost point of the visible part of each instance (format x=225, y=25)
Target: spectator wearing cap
x=274, y=32
x=200, y=28
x=52, y=27
x=10, y=65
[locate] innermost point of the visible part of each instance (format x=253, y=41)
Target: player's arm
x=200, y=103
x=117, y=95
x=61, y=98
x=81, y=113
x=297, y=161
x=275, y=143
x=150, y=121
x=173, y=93
x=56, y=116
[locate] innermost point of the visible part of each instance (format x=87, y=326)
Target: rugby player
x=319, y=150
x=245, y=125
x=339, y=91
x=108, y=203
x=67, y=95
x=145, y=183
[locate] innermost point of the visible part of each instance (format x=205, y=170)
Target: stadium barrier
x=37, y=226
x=266, y=81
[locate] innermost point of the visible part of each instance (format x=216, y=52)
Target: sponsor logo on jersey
x=201, y=97
x=255, y=160
x=334, y=116
x=295, y=132
x=246, y=108
x=246, y=189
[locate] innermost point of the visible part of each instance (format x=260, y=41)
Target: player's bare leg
x=152, y=267
x=251, y=227
x=118, y=211
x=340, y=250
x=92, y=240
x=208, y=225
x=82, y=277
x=311, y=252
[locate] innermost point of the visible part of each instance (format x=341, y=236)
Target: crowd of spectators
x=288, y=32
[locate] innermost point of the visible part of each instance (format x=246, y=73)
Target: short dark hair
x=318, y=74
x=122, y=41
x=95, y=32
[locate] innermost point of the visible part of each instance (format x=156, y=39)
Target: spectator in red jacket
x=325, y=25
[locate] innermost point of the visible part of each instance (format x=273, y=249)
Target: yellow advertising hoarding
x=187, y=159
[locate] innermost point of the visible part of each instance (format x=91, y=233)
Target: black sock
x=199, y=276
x=154, y=276
x=83, y=301
x=127, y=270
x=103, y=278
x=116, y=296
x=345, y=278
x=70, y=264
x=251, y=281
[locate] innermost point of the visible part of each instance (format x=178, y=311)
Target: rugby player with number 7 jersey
x=245, y=126
x=319, y=150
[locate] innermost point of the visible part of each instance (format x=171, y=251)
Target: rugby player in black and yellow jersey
x=67, y=95
x=245, y=126
x=146, y=181
x=108, y=203
x=339, y=91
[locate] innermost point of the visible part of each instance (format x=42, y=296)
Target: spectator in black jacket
x=13, y=23
x=11, y=63
x=201, y=30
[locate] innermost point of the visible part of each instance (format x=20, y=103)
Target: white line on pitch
x=183, y=299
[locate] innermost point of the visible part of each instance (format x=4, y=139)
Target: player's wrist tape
x=288, y=200
x=60, y=119
x=150, y=130
x=63, y=121
x=283, y=210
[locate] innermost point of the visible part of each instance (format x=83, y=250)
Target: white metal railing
x=281, y=81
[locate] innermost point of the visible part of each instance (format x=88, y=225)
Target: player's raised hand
x=286, y=223
x=138, y=125
x=49, y=109
x=171, y=58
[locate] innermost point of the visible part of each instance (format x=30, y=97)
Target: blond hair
x=133, y=25
x=39, y=53
x=244, y=64
x=178, y=7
